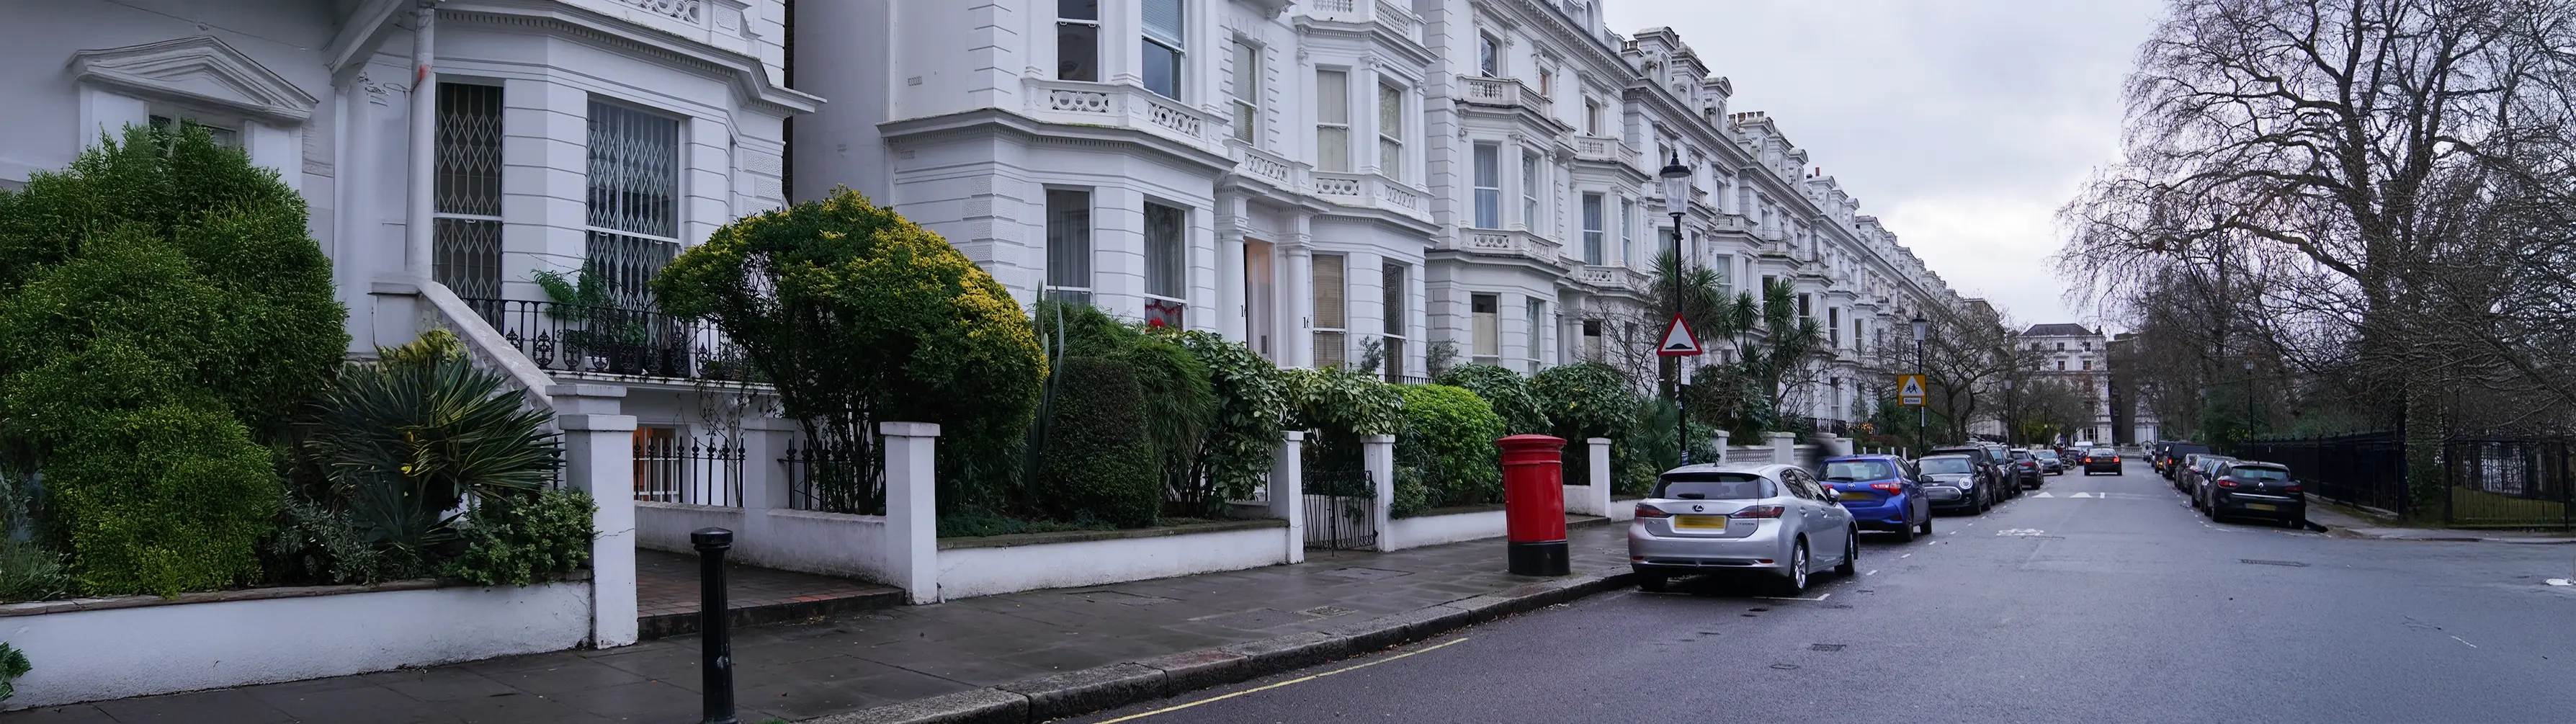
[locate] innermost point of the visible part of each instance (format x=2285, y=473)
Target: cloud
x=1962, y=124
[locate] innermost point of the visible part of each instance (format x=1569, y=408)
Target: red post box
x=1534, y=505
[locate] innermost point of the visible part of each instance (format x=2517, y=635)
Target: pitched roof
x=2057, y=330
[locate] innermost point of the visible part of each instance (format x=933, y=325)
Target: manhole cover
x=1325, y=611
x=1825, y=647
x=2261, y=562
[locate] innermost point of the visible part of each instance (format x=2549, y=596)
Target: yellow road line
x=1297, y=680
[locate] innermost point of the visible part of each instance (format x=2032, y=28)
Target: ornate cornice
x=200, y=70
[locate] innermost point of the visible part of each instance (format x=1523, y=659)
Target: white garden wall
x=977, y=568
x=832, y=544
x=1427, y=530
x=158, y=648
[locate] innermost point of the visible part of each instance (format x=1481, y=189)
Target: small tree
x=860, y=317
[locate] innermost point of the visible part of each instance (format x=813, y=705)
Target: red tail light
x=1760, y=511
x=1888, y=487
x=2226, y=483
x=1649, y=511
x=2291, y=489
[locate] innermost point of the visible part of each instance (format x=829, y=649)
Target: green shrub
x=318, y=542
x=163, y=500
x=1340, y=406
x=405, y=439
x=236, y=300
x=1521, y=410
x=859, y=317
x=31, y=572
x=518, y=538
x=1584, y=401
x=1242, y=435
x=1180, y=400
x=1099, y=457
x=1412, y=495
x=13, y=664
x=1448, y=438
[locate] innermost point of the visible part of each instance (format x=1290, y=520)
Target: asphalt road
x=2109, y=599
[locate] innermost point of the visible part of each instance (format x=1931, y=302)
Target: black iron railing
x=698, y=471
x=2365, y=469
x=612, y=340
x=834, y=480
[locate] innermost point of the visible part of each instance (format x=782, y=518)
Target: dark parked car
x=2203, y=475
x=2027, y=469
x=2101, y=460
x=2171, y=454
x=1989, y=470
x=2051, y=462
x=2004, y=464
x=2256, y=490
x=1952, y=482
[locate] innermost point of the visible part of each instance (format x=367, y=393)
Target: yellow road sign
x=1909, y=390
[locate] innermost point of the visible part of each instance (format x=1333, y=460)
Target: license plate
x=1857, y=495
x=2261, y=506
x=1699, y=522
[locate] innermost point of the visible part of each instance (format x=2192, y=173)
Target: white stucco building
x=1324, y=178
x=2078, y=356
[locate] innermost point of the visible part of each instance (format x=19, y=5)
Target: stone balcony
x=1604, y=150
x=1373, y=191
x=1514, y=243
x=1388, y=16
x=1615, y=279
x=724, y=24
x=1118, y=105
x=1270, y=168
x=1505, y=92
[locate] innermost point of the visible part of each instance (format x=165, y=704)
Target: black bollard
x=717, y=644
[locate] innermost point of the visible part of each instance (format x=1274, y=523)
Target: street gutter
x=1074, y=693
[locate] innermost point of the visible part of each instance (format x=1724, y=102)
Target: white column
x=1784, y=448
x=1593, y=498
x=1722, y=437
x=912, y=513
x=1288, y=490
x=599, y=459
x=1377, y=454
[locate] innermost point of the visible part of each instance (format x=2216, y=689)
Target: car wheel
x=1851, y=554
x=1796, y=582
x=1927, y=525
x=1653, y=583
x=1905, y=534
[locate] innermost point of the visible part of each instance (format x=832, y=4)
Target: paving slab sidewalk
x=2340, y=521
x=906, y=654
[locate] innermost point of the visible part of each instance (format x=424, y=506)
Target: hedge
x=1449, y=436
x=1099, y=458
x=163, y=500
x=1507, y=391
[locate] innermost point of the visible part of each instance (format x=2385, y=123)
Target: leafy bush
x=1652, y=448
x=13, y=664
x=234, y=300
x=858, y=317
x=31, y=572
x=1586, y=401
x=1235, y=455
x=1412, y=494
x=1099, y=457
x=406, y=438
x=980, y=523
x=1340, y=406
x=163, y=500
x=318, y=542
x=1179, y=399
x=518, y=538
x=1521, y=410
x=1448, y=438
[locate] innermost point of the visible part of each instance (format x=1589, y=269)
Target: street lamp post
x=1922, y=414
x=1676, y=203
x=2012, y=412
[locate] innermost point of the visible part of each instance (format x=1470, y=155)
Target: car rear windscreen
x=2249, y=472
x=1713, y=486
x=2045, y=454
x=2177, y=451
x=1859, y=470
x=1947, y=466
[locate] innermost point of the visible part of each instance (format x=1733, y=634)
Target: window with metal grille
x=1489, y=186
x=634, y=200
x=1592, y=229
x=1247, y=92
x=1333, y=121
x=1068, y=245
x=1163, y=49
x=1166, y=259
x=465, y=233
x=1331, y=349
x=1390, y=131
x=1077, y=40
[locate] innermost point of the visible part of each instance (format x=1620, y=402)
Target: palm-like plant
x=405, y=439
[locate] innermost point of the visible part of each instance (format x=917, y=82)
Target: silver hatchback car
x=1727, y=517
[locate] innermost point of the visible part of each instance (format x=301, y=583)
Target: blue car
x=1879, y=492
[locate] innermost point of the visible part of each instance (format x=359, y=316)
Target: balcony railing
x=1267, y=166
x=609, y=340
x=1368, y=189
x=1393, y=17
x=1607, y=150
x=721, y=23
x=1121, y=106
x=1496, y=242
x=1505, y=92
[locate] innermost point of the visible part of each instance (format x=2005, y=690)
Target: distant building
x=2080, y=357
x=2129, y=411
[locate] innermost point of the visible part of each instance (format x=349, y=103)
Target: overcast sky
x=1961, y=124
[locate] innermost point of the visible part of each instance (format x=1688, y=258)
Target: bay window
x=1162, y=52
x=1489, y=186
x=1077, y=40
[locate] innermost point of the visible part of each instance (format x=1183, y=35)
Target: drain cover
x=2261, y=562
x=1825, y=647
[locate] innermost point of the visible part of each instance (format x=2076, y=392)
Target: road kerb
x=1106, y=687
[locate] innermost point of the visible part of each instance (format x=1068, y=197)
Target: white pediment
x=197, y=71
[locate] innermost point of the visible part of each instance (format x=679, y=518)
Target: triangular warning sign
x=1910, y=386
x=1678, y=340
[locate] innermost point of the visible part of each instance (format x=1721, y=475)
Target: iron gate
x=1340, y=510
